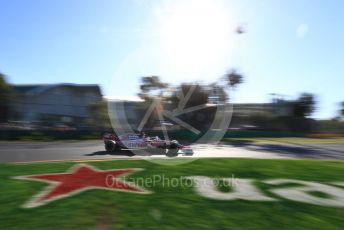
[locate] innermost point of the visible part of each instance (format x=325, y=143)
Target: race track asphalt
x=94, y=149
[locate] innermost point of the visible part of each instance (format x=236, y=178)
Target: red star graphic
x=80, y=178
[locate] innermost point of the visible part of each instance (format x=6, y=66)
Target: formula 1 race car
x=135, y=141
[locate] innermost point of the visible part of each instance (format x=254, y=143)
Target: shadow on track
x=289, y=149
x=126, y=152
x=239, y=143
x=116, y=153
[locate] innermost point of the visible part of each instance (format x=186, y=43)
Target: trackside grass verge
x=171, y=207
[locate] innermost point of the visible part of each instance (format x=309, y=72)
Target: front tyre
x=172, y=151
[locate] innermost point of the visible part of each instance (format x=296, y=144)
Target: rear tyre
x=110, y=146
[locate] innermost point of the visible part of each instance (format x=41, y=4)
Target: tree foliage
x=184, y=96
x=304, y=106
x=150, y=84
x=5, y=95
x=5, y=88
x=234, y=78
x=99, y=117
x=198, y=96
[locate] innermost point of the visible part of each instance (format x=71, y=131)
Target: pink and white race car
x=135, y=141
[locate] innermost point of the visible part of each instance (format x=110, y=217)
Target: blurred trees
x=5, y=95
x=99, y=116
x=342, y=109
x=197, y=95
x=233, y=78
x=150, y=85
x=304, y=106
x=192, y=96
x=300, y=110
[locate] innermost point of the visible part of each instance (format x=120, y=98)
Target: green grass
x=167, y=207
x=291, y=140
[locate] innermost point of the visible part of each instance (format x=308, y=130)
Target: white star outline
x=34, y=201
